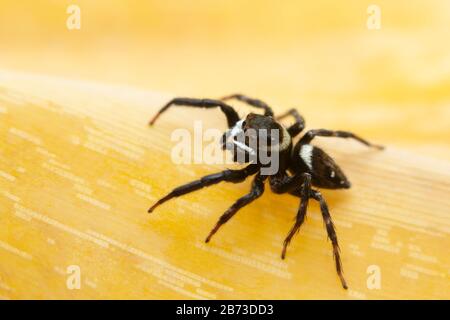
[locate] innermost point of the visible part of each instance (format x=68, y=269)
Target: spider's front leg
x=234, y=176
x=255, y=192
x=230, y=113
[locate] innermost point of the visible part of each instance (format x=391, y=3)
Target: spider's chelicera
x=301, y=166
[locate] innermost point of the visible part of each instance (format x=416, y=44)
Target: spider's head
x=254, y=134
x=260, y=122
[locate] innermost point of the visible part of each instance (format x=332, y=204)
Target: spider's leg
x=230, y=113
x=252, y=102
x=234, y=176
x=311, y=134
x=299, y=124
x=301, y=214
x=255, y=192
x=316, y=195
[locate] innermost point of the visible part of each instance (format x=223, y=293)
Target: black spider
x=301, y=166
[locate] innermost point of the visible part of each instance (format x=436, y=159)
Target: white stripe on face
x=306, y=154
x=237, y=128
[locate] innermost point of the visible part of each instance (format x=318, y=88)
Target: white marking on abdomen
x=306, y=154
x=237, y=128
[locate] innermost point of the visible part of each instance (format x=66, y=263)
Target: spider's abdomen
x=325, y=173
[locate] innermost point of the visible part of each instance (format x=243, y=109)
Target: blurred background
x=316, y=55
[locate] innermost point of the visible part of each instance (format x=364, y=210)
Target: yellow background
x=390, y=85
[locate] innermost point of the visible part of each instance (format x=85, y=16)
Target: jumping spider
x=301, y=166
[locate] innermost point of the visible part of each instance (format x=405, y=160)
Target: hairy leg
x=299, y=124
x=255, y=192
x=230, y=113
x=311, y=134
x=301, y=214
x=233, y=176
x=252, y=102
x=316, y=195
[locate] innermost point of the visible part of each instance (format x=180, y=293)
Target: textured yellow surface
x=79, y=168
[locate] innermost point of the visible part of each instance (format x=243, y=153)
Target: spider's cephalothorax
x=256, y=136
x=299, y=168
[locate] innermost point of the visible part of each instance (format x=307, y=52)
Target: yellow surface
x=79, y=167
